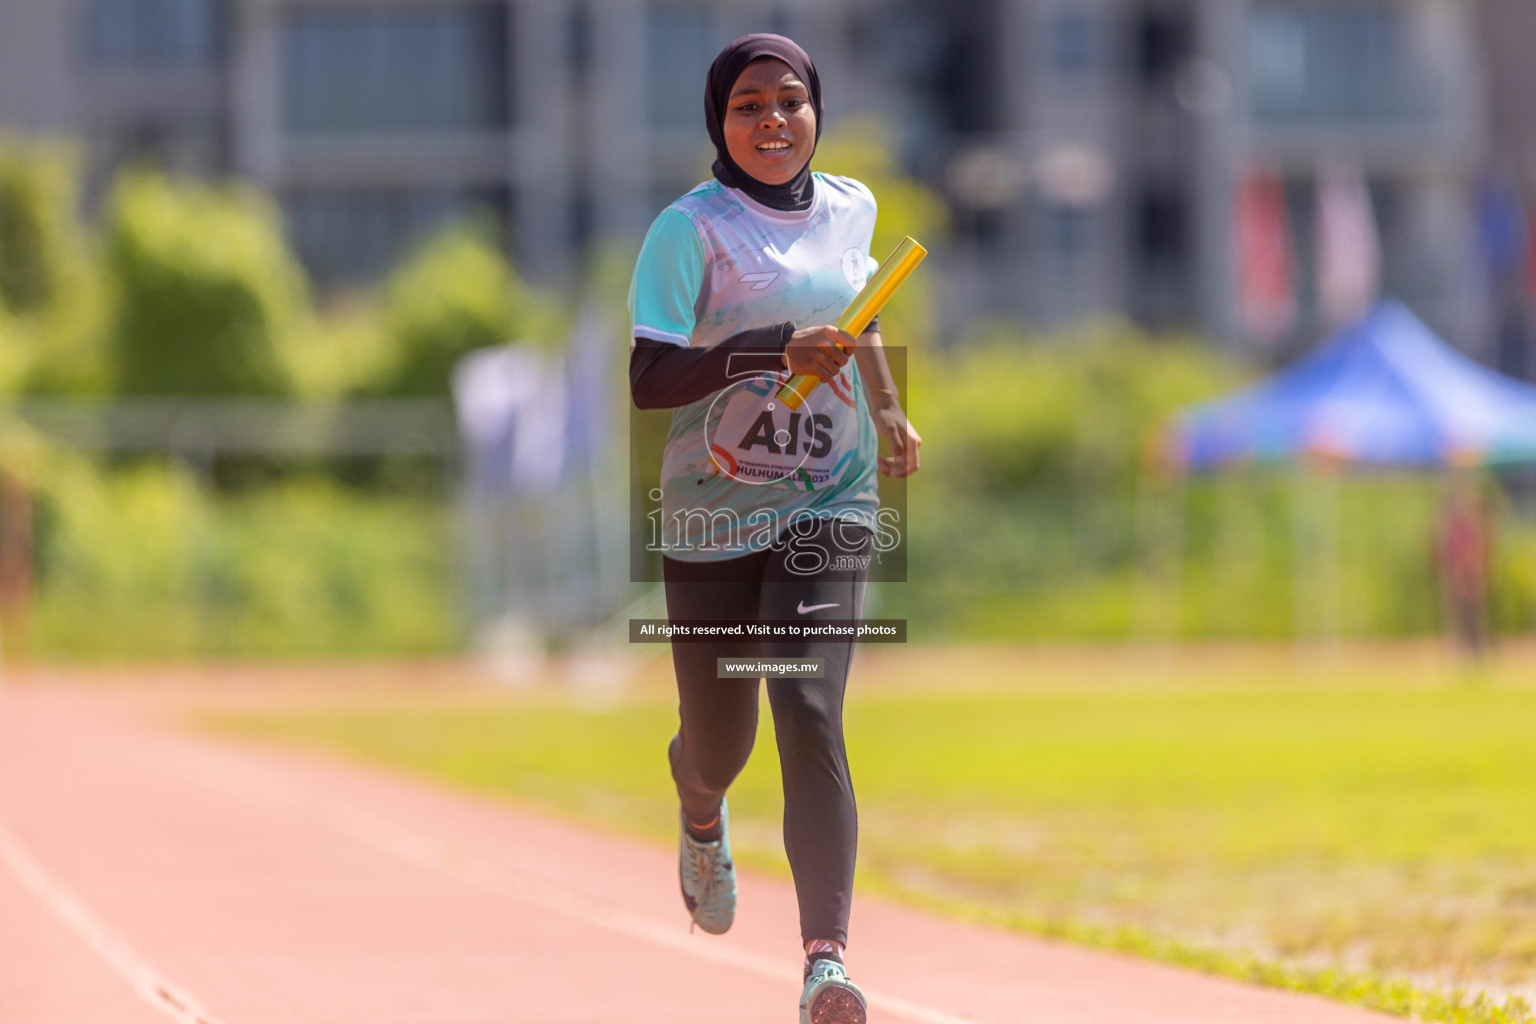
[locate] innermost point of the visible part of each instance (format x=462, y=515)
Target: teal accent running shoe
x=708, y=879
x=829, y=997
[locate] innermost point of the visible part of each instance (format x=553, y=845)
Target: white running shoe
x=829, y=997
x=708, y=879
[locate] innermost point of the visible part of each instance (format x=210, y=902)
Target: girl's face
x=770, y=128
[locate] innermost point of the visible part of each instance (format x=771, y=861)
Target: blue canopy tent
x=1385, y=391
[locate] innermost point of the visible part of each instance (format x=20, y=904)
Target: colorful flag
x=1267, y=295
x=1348, y=248
x=589, y=399
x=1530, y=263
x=511, y=403
x=1501, y=228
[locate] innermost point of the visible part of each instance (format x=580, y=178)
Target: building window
x=350, y=236
x=987, y=230
x=584, y=218
x=1068, y=236
x=154, y=33
x=679, y=54
x=1346, y=62
x=1071, y=43
x=1162, y=230
x=1161, y=265
x=1164, y=44
x=967, y=81
x=438, y=68
x=1072, y=47
x=185, y=145
x=579, y=38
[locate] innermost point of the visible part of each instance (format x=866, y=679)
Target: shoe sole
x=836, y=1005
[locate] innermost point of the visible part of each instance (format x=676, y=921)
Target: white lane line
x=525, y=885
x=390, y=838
x=149, y=983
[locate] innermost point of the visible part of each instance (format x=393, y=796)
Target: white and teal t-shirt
x=740, y=466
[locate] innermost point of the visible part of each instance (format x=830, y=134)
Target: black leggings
x=719, y=716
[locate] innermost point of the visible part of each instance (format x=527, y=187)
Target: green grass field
x=1363, y=825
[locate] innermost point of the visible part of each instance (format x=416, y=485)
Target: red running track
x=147, y=875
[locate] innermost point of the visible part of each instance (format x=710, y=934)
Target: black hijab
x=797, y=193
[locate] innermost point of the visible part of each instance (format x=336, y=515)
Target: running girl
x=770, y=510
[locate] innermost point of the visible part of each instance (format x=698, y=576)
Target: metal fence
x=526, y=568
x=199, y=430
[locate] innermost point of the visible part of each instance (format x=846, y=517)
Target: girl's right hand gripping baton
x=896, y=268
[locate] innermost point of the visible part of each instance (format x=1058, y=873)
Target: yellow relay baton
x=897, y=267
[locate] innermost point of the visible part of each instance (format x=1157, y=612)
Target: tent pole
x=1330, y=511
x=1161, y=508
x=1300, y=546
x=1143, y=557
x=1178, y=523
x=1316, y=555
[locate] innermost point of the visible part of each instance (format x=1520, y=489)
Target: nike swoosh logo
x=802, y=609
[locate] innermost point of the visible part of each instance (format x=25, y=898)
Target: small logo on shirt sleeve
x=855, y=268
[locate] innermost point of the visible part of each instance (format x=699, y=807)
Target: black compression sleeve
x=663, y=376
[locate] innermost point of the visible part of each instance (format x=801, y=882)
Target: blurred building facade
x=1094, y=152
x=1506, y=28
x=1123, y=133
x=374, y=120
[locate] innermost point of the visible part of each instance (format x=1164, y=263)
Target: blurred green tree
x=338, y=351
x=204, y=288
x=1075, y=410
x=37, y=223
x=457, y=293
x=50, y=308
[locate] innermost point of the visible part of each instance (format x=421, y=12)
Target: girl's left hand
x=904, y=440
